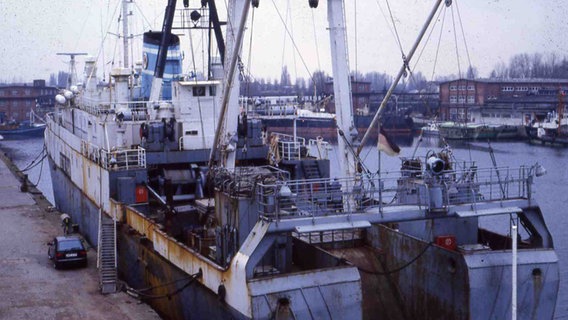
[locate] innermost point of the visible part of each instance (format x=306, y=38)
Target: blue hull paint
x=22, y=133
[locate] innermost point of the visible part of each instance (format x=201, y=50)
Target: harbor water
x=551, y=190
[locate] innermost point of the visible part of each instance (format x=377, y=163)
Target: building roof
x=516, y=81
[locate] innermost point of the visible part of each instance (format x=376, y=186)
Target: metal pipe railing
x=327, y=196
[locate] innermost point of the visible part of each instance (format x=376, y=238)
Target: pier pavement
x=30, y=288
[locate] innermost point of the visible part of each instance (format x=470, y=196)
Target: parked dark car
x=67, y=251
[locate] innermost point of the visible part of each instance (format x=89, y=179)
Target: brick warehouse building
x=366, y=101
x=17, y=101
x=463, y=99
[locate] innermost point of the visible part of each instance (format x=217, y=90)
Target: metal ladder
x=106, y=256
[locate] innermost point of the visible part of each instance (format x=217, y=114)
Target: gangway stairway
x=107, y=256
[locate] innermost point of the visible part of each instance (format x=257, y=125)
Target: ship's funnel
x=172, y=70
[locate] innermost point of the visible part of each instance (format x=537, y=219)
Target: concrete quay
x=30, y=288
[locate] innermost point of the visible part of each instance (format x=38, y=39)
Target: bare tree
x=285, y=77
x=317, y=83
x=500, y=71
x=379, y=81
x=472, y=72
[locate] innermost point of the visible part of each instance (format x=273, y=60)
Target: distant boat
x=553, y=130
x=305, y=123
x=430, y=130
x=290, y=117
x=395, y=124
x=471, y=131
x=540, y=133
x=24, y=129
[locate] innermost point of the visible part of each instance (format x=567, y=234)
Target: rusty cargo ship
x=199, y=215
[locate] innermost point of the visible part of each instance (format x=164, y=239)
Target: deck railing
x=123, y=159
x=295, y=148
x=289, y=199
x=117, y=159
x=289, y=147
x=137, y=110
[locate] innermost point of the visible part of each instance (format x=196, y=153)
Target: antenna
x=71, y=78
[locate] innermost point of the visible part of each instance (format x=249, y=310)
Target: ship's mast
x=341, y=82
x=125, y=35
x=227, y=125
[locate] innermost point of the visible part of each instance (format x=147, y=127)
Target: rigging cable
x=417, y=60
x=149, y=25
x=396, y=31
x=292, y=40
x=316, y=40
x=288, y=16
x=116, y=42
x=284, y=38
x=386, y=19
x=456, y=44
x=423, y=98
x=397, y=269
x=463, y=36
x=359, y=162
x=355, y=23
x=249, y=59
x=494, y=161
x=195, y=78
x=317, y=54
x=33, y=163
x=439, y=43
x=141, y=24
x=140, y=293
x=103, y=37
x=40, y=170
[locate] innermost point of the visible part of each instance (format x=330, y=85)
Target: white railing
x=137, y=110
x=290, y=150
x=123, y=159
x=295, y=148
x=319, y=148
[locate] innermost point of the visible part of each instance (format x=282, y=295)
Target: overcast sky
x=35, y=31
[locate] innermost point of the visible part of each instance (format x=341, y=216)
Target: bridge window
x=191, y=133
x=199, y=91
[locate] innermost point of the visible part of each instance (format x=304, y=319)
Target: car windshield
x=70, y=244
